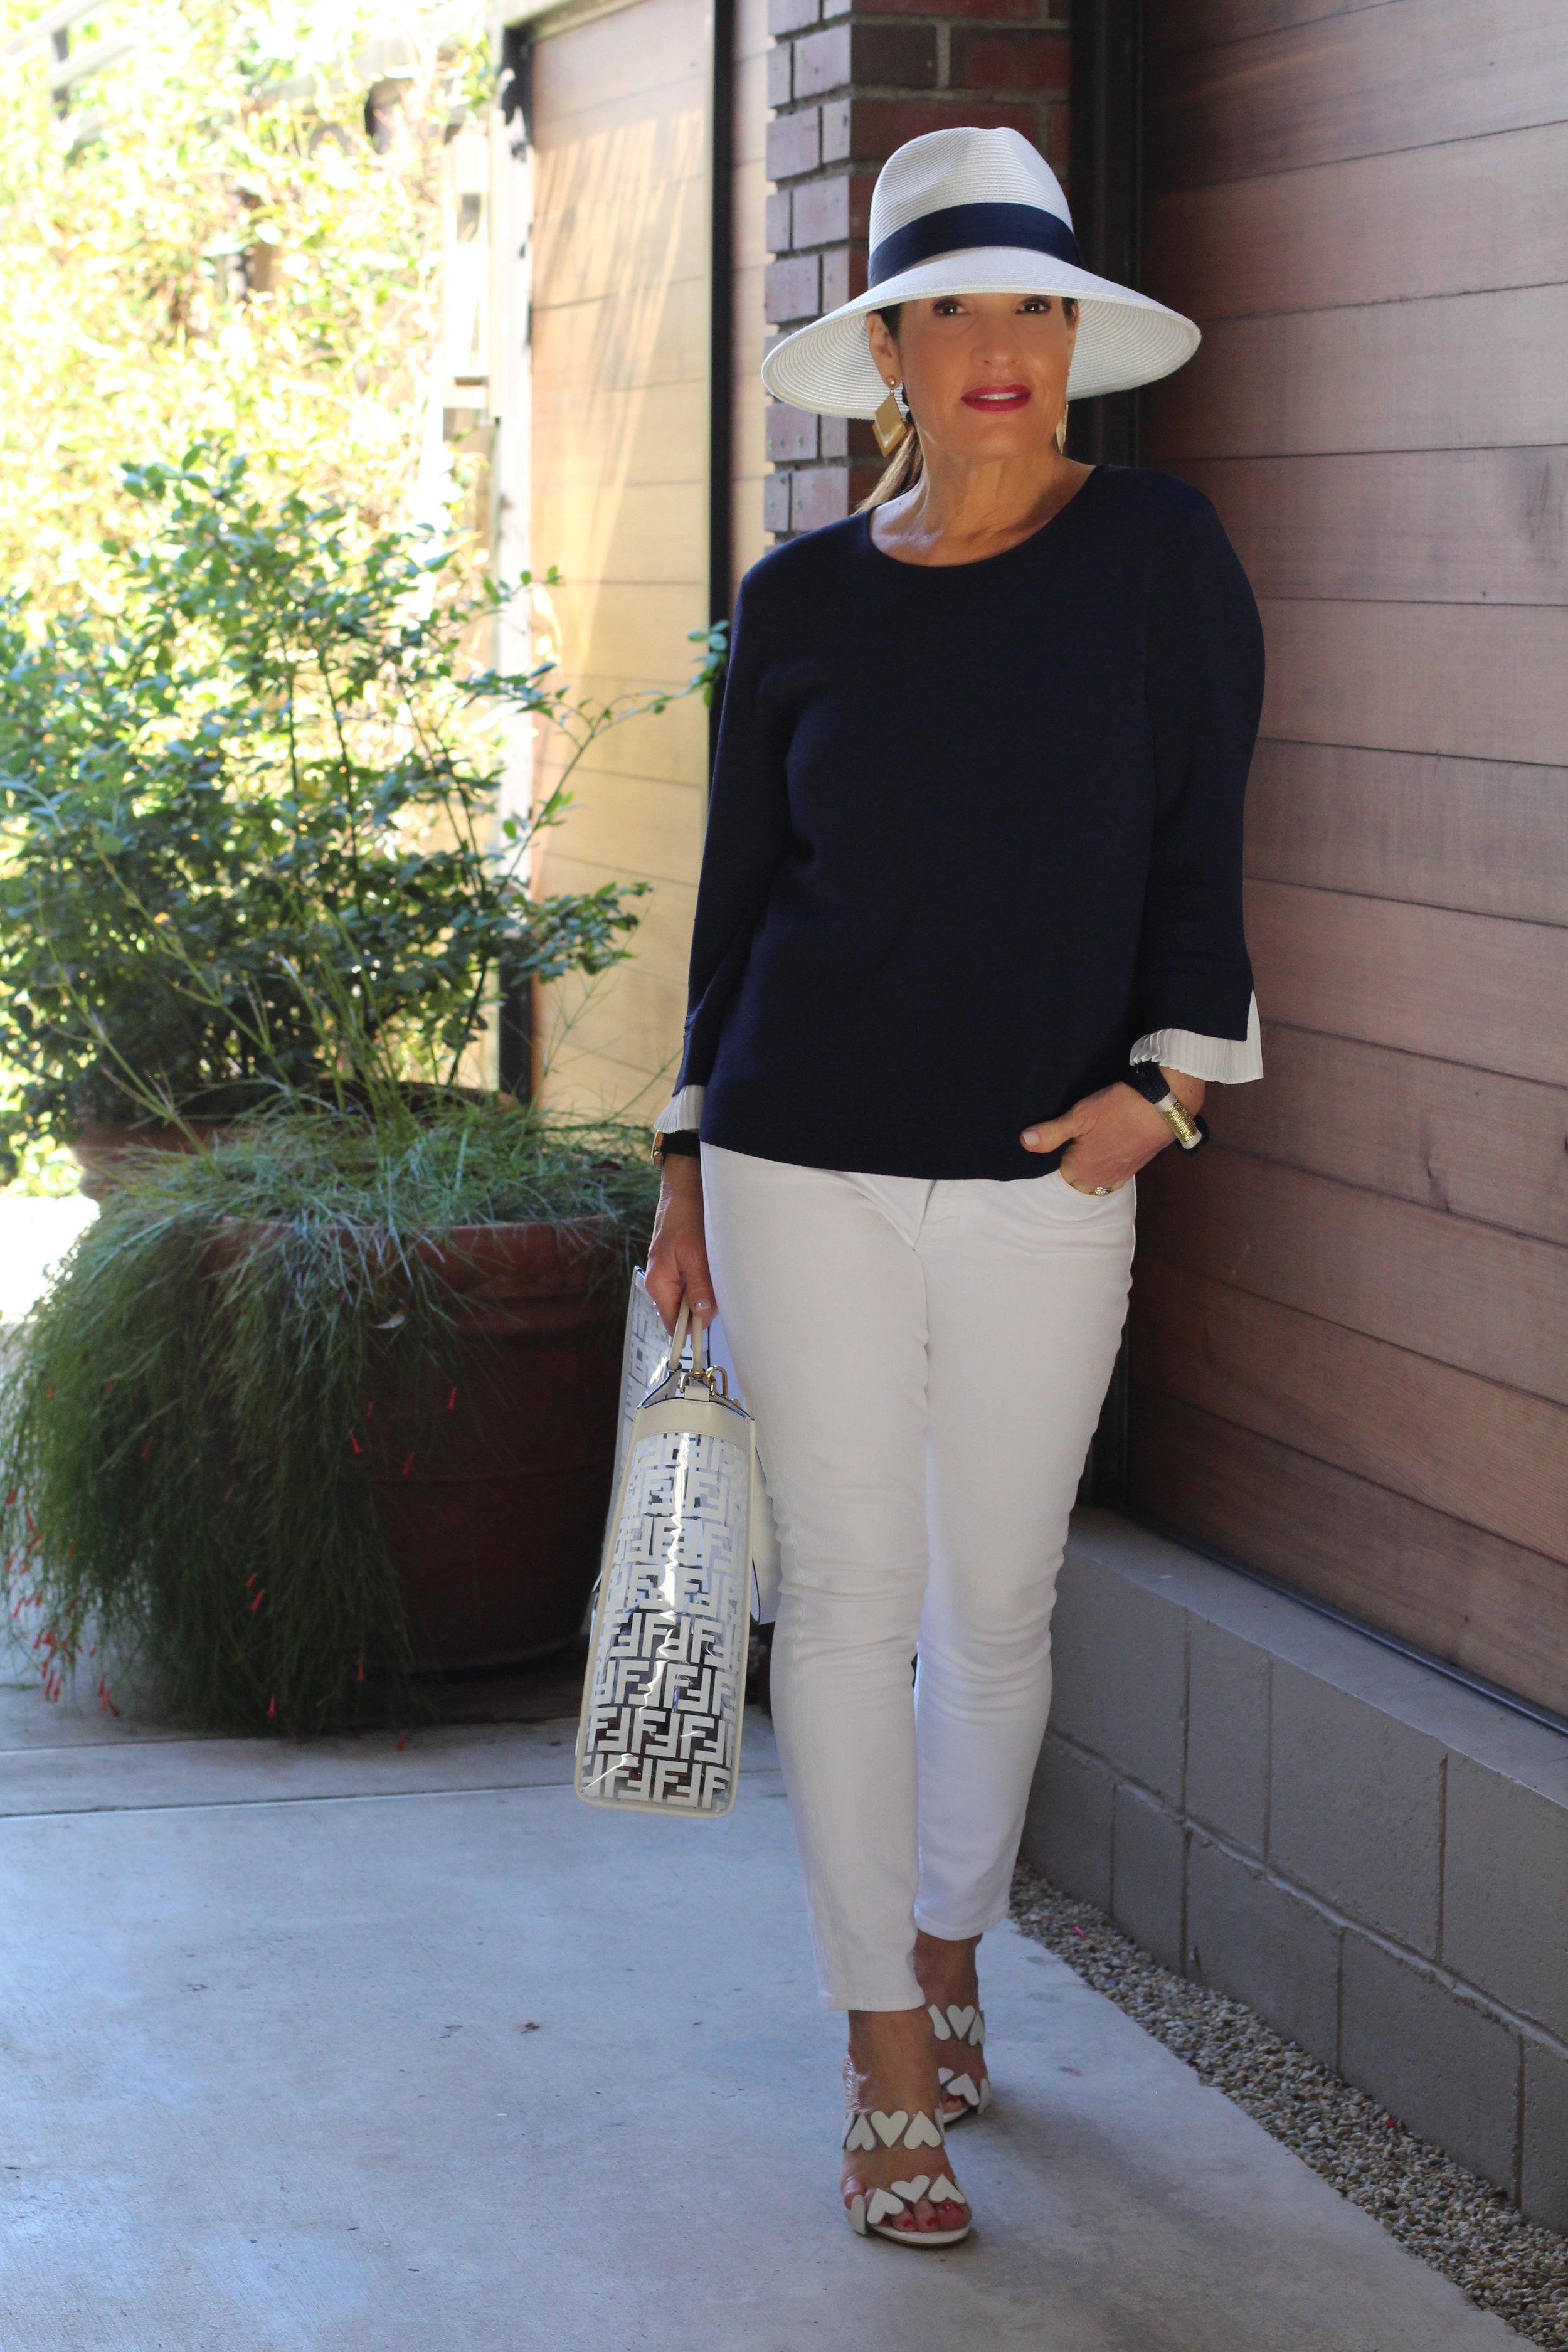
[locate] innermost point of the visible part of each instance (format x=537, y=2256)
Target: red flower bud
x=259, y=1600
x=353, y=1441
x=272, y=1708
x=409, y=1466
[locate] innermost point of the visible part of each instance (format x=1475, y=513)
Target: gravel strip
x=1456, y=2223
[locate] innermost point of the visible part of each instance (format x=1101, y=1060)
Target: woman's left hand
x=1110, y=1135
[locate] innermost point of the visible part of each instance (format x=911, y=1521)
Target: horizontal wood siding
x=1485, y=837
x=1418, y=1573
x=1349, y=1325
x=1476, y=1145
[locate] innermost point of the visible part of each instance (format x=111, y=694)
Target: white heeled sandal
x=968, y=2027
x=873, y=2215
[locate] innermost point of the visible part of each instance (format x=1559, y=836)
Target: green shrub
x=249, y=845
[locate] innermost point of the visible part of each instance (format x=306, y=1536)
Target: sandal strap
x=873, y=2127
x=958, y=2024
x=959, y=2086
x=885, y=2204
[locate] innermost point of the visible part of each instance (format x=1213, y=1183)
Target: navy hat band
x=956, y=226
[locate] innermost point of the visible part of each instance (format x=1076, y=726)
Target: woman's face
x=986, y=375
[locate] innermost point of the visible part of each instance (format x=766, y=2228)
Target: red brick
x=791, y=288
x=793, y=145
x=984, y=59
x=775, y=503
x=821, y=62
x=843, y=275
x=790, y=15
x=779, y=91
x=903, y=56
x=1026, y=11
x=847, y=436
x=819, y=495
x=878, y=125
x=836, y=130
x=826, y=211
x=790, y=432
x=777, y=234
x=1059, y=153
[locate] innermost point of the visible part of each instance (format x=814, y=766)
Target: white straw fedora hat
x=975, y=212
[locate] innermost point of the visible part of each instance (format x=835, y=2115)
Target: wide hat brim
x=1124, y=339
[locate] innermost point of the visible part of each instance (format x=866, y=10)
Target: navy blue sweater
x=975, y=830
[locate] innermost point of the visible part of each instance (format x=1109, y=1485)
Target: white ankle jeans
x=926, y=1363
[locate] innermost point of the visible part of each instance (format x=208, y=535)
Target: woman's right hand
x=678, y=1253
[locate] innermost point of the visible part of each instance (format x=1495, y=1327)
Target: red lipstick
x=993, y=398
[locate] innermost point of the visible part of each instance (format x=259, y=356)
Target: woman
x=968, y=946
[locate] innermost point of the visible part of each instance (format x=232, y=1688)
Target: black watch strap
x=1189, y=1127
x=685, y=1143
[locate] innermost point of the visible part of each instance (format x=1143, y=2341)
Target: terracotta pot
x=100, y=1150
x=493, y=1497
x=495, y=1528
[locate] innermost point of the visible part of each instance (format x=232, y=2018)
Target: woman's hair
x=907, y=464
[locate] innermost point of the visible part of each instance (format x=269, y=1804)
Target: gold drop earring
x=1061, y=435
x=890, y=426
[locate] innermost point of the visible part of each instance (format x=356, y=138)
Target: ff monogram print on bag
x=662, y=1717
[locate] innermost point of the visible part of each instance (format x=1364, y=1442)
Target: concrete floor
x=339, y=2049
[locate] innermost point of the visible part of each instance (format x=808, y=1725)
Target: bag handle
x=688, y=1324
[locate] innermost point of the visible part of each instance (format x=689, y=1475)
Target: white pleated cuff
x=1219, y=1061
x=682, y=1113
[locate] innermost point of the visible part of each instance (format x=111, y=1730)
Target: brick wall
x=848, y=85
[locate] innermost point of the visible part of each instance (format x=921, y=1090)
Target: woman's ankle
x=948, y=1969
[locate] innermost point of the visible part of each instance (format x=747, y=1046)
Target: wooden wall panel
x=1459, y=987
x=1457, y=218
x=1439, y=526
x=1351, y=1325
x=1419, y=1277
x=1488, y=1606
x=1491, y=1456
x=1381, y=376
x=619, y=499
x=1482, y=684
x=1477, y=834
x=1493, y=1149
x=1359, y=84
x=1172, y=25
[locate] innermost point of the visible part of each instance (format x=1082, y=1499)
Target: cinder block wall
x=849, y=85
x=1369, y=1855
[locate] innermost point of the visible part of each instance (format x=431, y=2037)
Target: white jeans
x=926, y=1362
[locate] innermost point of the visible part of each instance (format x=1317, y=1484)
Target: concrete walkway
x=338, y=2049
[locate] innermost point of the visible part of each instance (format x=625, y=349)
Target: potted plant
x=336, y=1402
x=338, y=1399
